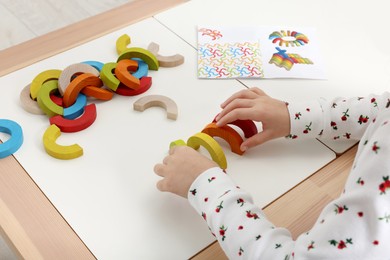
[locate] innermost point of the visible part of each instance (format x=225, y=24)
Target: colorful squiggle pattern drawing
x=287, y=60
x=238, y=60
x=214, y=34
x=283, y=38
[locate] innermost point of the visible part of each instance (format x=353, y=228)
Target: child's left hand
x=180, y=169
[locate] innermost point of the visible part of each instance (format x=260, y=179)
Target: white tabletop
x=353, y=42
x=108, y=195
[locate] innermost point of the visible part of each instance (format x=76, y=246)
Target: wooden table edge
x=29, y=222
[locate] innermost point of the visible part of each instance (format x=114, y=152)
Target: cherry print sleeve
x=336, y=119
x=240, y=227
x=354, y=226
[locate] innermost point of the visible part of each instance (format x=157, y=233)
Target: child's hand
x=180, y=168
x=255, y=105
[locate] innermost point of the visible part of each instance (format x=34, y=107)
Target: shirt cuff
x=306, y=120
x=210, y=185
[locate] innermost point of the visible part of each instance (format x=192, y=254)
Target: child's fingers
x=258, y=91
x=173, y=149
x=161, y=186
x=242, y=94
x=233, y=115
x=159, y=169
x=232, y=106
x=256, y=140
x=166, y=160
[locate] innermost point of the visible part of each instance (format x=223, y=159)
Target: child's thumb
x=255, y=140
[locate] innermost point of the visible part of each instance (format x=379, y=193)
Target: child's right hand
x=254, y=104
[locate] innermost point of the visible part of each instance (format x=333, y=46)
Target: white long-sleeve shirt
x=354, y=226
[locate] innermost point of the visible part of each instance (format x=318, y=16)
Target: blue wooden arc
x=16, y=137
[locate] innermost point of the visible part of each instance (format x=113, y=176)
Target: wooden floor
x=24, y=20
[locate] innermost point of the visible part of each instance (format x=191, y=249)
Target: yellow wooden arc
x=122, y=42
x=42, y=78
x=211, y=145
x=177, y=143
x=64, y=152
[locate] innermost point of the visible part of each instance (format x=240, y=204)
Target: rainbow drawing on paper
x=227, y=52
x=214, y=34
x=287, y=60
x=289, y=38
x=238, y=60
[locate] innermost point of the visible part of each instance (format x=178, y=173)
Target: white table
x=108, y=195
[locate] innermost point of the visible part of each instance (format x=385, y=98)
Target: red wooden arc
x=247, y=126
x=145, y=84
x=78, y=124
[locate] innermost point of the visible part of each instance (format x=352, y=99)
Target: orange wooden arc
x=77, y=85
x=97, y=92
x=122, y=72
x=231, y=136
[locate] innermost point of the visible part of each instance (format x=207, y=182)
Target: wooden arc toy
x=69, y=72
x=78, y=124
x=28, y=104
x=54, y=104
x=96, y=64
x=77, y=108
x=122, y=72
x=64, y=152
x=231, y=136
x=47, y=105
x=143, y=54
x=248, y=127
x=177, y=143
x=41, y=78
x=121, y=43
x=108, y=77
x=76, y=85
x=145, y=84
x=142, y=70
x=157, y=100
x=16, y=137
x=212, y=146
x=56, y=99
x=98, y=93
x=165, y=61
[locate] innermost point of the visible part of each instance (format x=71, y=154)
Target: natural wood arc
x=66, y=38
x=302, y=211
